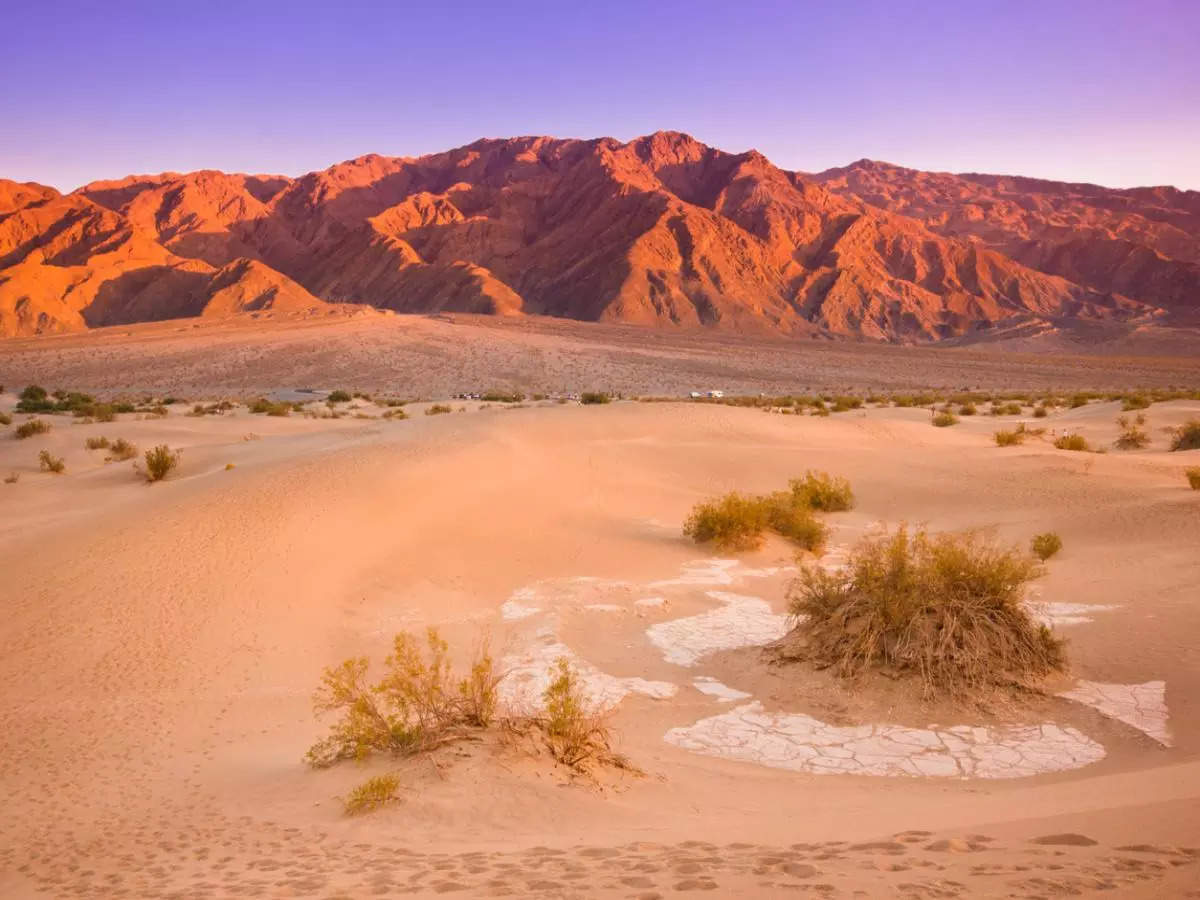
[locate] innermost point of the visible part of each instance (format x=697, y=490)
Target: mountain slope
x=1143, y=243
x=661, y=231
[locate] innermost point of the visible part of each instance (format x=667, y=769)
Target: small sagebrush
x=51, y=463
x=1045, y=545
x=590, y=398
x=944, y=420
x=575, y=733
x=5, y=419
x=121, y=450
x=30, y=428
x=418, y=704
x=437, y=409
x=732, y=522
x=96, y=443
x=372, y=794
x=1131, y=437
x=823, y=492
x=1005, y=438
x=1073, y=442
x=160, y=461
x=947, y=609
x=1193, y=477
x=1186, y=436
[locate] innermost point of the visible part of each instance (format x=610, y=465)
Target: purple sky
x=1089, y=90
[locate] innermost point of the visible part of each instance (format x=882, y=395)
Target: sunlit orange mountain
x=661, y=231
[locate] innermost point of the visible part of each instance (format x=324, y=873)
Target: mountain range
x=659, y=231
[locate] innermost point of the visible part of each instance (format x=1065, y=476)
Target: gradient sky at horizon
x=1100, y=91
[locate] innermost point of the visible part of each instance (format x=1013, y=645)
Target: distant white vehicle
x=716, y=394
x=695, y=395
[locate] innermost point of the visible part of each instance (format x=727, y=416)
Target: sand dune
x=160, y=645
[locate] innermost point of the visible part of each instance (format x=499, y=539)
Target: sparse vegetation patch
x=1186, y=436
x=30, y=428
x=160, y=461
x=50, y=463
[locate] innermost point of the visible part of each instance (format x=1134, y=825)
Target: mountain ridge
x=662, y=231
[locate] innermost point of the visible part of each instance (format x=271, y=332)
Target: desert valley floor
x=160, y=646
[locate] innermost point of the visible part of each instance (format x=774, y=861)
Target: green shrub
x=51, y=463
x=1193, y=477
x=1008, y=438
x=1072, y=442
x=437, y=409
x=122, y=449
x=124, y=408
x=1135, y=401
x=417, y=705
x=947, y=609
x=591, y=397
x=821, y=491
x=574, y=732
x=160, y=461
x=1046, y=545
x=30, y=428
x=372, y=794
x=96, y=443
x=732, y=522
x=338, y=397
x=944, y=419
x=34, y=399
x=1186, y=436
x=1079, y=400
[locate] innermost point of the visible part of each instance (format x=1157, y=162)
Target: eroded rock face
x=662, y=230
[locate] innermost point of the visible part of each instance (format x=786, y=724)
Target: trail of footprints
x=912, y=864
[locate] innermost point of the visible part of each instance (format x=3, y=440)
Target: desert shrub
x=1131, y=437
x=789, y=515
x=372, y=794
x=5, y=419
x=1072, y=442
x=944, y=419
x=1078, y=400
x=30, y=428
x=396, y=414
x=1135, y=401
x=502, y=397
x=822, y=491
x=229, y=467
x=732, y=522
x=338, y=396
x=437, y=409
x=266, y=407
x=1193, y=477
x=124, y=408
x=1040, y=412
x=1186, y=436
x=416, y=706
x=121, y=450
x=574, y=732
x=1045, y=545
x=51, y=463
x=945, y=608
x=160, y=460
x=592, y=397
x=96, y=443
x=12, y=478
x=967, y=409
x=34, y=399
x=104, y=412
x=1008, y=438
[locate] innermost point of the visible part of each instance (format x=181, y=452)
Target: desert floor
x=160, y=644
x=429, y=357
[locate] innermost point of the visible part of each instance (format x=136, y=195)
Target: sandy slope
x=159, y=646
